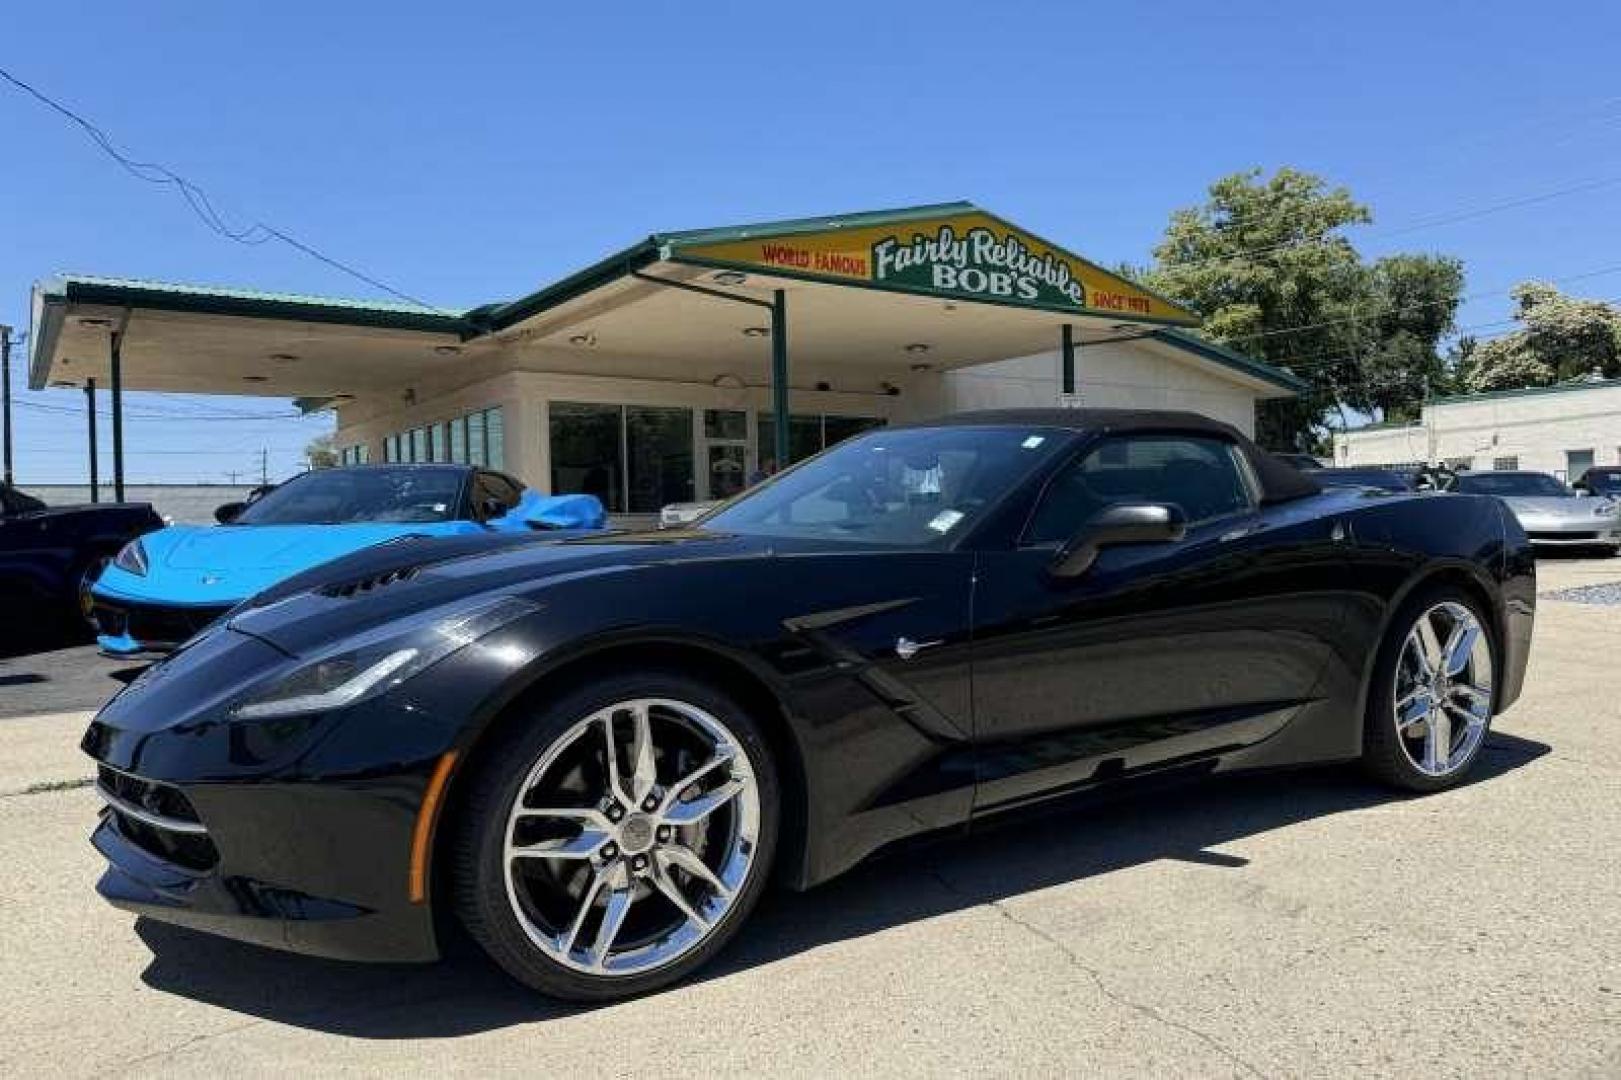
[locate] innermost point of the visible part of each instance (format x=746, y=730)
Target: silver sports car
x=1552, y=514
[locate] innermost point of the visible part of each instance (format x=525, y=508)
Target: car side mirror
x=229, y=512
x=1122, y=523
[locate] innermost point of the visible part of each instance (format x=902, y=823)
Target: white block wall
x=1536, y=429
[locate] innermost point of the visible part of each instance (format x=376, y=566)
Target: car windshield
x=1604, y=482
x=372, y=493
x=917, y=487
x=1382, y=479
x=1510, y=484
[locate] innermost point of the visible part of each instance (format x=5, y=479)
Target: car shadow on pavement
x=466, y=993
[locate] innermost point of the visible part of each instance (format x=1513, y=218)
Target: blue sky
x=467, y=153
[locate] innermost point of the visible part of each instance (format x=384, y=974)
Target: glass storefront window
x=585, y=442
x=732, y=424
x=658, y=444
x=835, y=429
x=475, y=439
x=458, y=440
x=804, y=439
x=419, y=444
x=495, y=440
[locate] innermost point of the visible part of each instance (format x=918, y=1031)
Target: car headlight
x=379, y=660
x=131, y=558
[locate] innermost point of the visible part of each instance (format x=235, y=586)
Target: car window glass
x=1509, y=485
x=367, y=493
x=904, y=487
x=1197, y=474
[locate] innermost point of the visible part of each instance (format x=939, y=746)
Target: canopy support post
x=1068, y=354
x=90, y=415
x=779, y=375
x=118, y=414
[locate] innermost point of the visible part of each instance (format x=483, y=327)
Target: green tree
x=1267, y=263
x=1560, y=338
x=321, y=453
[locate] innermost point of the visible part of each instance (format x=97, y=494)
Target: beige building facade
x=1562, y=430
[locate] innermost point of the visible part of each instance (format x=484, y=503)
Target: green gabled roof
x=793, y=226
x=251, y=303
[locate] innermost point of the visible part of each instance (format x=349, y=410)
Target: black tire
x=1383, y=755
x=476, y=853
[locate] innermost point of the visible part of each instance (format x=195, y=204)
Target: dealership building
x=1562, y=430
x=679, y=367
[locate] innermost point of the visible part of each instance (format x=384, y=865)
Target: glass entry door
x=724, y=454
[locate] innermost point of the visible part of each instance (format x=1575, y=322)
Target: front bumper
x=127, y=628
x=1599, y=532
x=309, y=869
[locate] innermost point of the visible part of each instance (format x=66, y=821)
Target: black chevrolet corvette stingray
x=596, y=752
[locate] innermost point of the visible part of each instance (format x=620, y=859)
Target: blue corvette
x=164, y=587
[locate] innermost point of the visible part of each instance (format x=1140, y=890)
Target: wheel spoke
x=688, y=861
x=588, y=901
x=695, y=810
x=582, y=846
x=1429, y=645
x=1412, y=709
x=616, y=787
x=620, y=897
x=1479, y=700
x=643, y=777
x=666, y=885
x=724, y=756
x=585, y=815
x=1461, y=646
x=1438, y=741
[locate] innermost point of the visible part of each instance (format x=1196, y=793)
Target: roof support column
x=1067, y=351
x=118, y=415
x=779, y=375
x=5, y=389
x=90, y=415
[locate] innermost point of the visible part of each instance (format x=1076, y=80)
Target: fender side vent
x=360, y=586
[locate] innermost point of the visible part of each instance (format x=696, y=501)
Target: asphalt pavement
x=1298, y=924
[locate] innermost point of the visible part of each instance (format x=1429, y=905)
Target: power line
x=195, y=197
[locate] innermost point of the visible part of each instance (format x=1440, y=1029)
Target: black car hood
x=398, y=579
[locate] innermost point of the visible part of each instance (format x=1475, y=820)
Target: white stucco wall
x=1117, y=375
x=1122, y=374
x=1537, y=429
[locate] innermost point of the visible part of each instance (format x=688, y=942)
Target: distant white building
x=1560, y=429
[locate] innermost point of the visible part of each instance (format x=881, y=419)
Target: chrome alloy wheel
x=1443, y=698
x=631, y=837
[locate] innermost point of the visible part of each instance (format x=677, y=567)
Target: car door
x=1159, y=652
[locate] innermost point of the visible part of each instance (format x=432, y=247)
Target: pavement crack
x=184, y=1044
x=1097, y=980
x=46, y=787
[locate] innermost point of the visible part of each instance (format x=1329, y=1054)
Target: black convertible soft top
x=1279, y=482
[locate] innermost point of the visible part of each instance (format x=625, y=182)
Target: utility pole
x=5, y=395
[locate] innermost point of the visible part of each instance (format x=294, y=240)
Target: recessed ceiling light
x=283, y=357
x=730, y=277
x=91, y=320
x=447, y=350
x=917, y=347
x=920, y=368
x=757, y=331
x=65, y=385
x=949, y=306
x=255, y=378
x=585, y=340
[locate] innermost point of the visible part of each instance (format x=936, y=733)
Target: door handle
x=906, y=648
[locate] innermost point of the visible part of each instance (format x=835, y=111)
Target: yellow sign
x=970, y=255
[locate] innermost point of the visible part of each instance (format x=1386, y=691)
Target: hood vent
x=359, y=587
